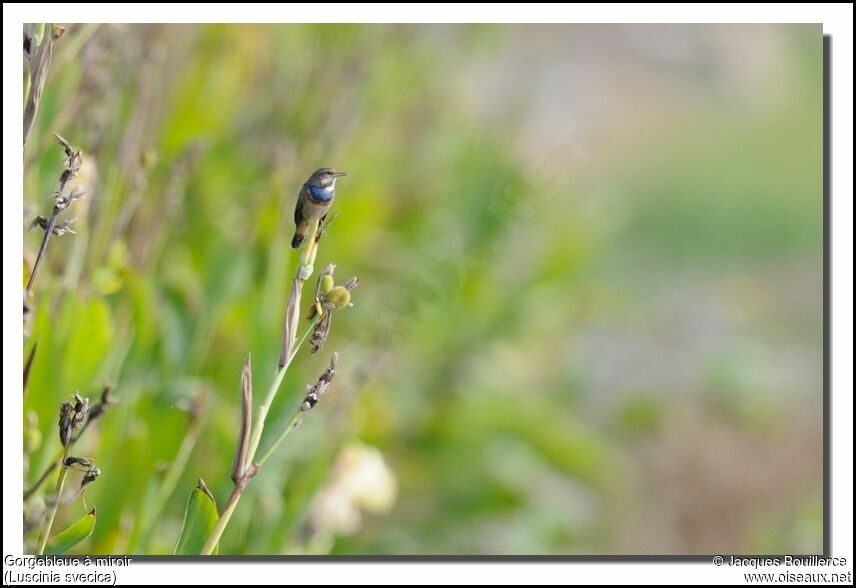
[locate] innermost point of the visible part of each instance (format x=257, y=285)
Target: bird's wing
x=297, y=206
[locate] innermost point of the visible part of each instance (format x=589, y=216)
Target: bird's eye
x=329, y=172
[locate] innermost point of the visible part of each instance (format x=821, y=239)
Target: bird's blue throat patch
x=319, y=194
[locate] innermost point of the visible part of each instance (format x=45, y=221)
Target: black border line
x=702, y=559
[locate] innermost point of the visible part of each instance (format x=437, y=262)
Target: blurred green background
x=590, y=311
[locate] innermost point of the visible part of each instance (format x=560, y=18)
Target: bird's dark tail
x=298, y=238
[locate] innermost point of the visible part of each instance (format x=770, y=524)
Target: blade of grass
x=62, y=542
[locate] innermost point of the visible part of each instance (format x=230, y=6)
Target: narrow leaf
x=200, y=517
x=62, y=542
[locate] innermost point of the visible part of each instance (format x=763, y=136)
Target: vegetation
x=590, y=312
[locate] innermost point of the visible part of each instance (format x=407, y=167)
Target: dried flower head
x=59, y=229
x=61, y=201
x=90, y=476
x=71, y=417
x=79, y=463
x=314, y=392
x=107, y=399
x=328, y=298
x=66, y=412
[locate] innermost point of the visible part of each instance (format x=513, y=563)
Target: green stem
x=304, y=271
x=235, y=496
x=224, y=519
x=271, y=394
x=60, y=482
x=45, y=238
x=292, y=424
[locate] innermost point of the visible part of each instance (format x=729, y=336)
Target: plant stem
x=42, y=248
x=238, y=490
x=290, y=347
x=292, y=424
x=50, y=520
x=224, y=519
x=53, y=465
x=271, y=394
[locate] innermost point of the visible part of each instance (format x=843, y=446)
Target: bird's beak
x=339, y=174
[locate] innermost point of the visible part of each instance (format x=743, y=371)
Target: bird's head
x=326, y=177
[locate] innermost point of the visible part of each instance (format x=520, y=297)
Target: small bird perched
x=315, y=198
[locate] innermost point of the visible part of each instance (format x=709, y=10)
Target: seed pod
x=326, y=283
x=339, y=297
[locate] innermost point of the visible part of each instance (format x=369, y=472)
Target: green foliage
x=62, y=542
x=200, y=516
x=516, y=292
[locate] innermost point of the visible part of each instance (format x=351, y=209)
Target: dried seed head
x=39, y=221
x=59, y=229
x=73, y=161
x=90, y=477
x=352, y=283
x=321, y=332
x=107, y=399
x=64, y=227
x=310, y=400
x=71, y=417
x=66, y=146
x=63, y=202
x=81, y=407
x=66, y=414
x=80, y=463
x=314, y=393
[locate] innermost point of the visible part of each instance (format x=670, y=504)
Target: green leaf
x=91, y=335
x=200, y=517
x=76, y=533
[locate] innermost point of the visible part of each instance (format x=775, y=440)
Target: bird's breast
x=320, y=195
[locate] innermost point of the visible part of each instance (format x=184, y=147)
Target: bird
x=314, y=200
